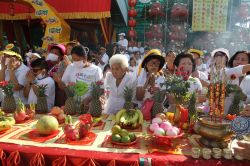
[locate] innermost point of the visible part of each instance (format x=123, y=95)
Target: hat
x=220, y=50
x=11, y=50
x=70, y=42
x=199, y=52
x=156, y=54
x=30, y=54
x=60, y=46
x=121, y=34
x=102, y=48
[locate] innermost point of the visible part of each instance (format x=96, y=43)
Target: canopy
x=73, y=9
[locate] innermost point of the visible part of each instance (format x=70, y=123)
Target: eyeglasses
x=155, y=64
x=35, y=70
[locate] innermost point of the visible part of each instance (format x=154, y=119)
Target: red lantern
x=132, y=3
x=179, y=11
x=149, y=35
x=132, y=13
x=132, y=23
x=156, y=9
x=132, y=33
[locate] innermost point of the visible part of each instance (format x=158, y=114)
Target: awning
x=71, y=9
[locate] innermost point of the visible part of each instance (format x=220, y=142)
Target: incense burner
x=213, y=135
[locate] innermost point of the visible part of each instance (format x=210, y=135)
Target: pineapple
x=9, y=104
x=42, y=105
x=192, y=112
x=235, y=106
x=95, y=106
x=128, y=96
x=70, y=104
x=158, y=103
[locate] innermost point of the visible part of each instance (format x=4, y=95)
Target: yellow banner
x=210, y=15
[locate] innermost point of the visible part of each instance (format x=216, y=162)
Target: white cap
x=121, y=34
x=220, y=50
x=30, y=54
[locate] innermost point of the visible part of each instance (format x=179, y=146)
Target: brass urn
x=213, y=134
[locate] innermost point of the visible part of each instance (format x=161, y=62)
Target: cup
x=196, y=153
x=227, y=153
x=238, y=157
x=206, y=153
x=217, y=153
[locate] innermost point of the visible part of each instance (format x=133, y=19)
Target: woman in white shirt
x=38, y=75
x=185, y=63
x=150, y=78
x=241, y=58
x=80, y=70
x=116, y=81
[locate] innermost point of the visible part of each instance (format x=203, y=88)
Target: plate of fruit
x=164, y=131
x=122, y=136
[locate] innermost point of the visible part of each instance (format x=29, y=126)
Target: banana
x=140, y=116
x=135, y=117
x=119, y=114
x=134, y=124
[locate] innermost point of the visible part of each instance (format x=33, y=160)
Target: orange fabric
x=60, y=161
x=104, y=31
x=14, y=159
x=37, y=160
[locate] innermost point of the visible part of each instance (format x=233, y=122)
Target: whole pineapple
x=95, y=108
x=128, y=96
x=9, y=104
x=42, y=105
x=158, y=103
x=192, y=112
x=69, y=107
x=235, y=106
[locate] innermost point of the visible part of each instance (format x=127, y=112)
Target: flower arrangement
x=7, y=88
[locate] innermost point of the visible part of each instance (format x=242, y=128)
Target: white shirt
x=195, y=85
x=20, y=74
x=88, y=75
x=116, y=101
x=123, y=43
x=50, y=92
x=105, y=59
x=141, y=81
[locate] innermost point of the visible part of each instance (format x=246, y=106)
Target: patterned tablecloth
x=24, y=134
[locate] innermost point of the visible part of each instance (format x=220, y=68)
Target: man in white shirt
x=123, y=42
x=38, y=75
x=101, y=59
x=13, y=70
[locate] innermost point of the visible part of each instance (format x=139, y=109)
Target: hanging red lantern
x=132, y=3
x=132, y=13
x=179, y=10
x=132, y=23
x=132, y=33
x=12, y=8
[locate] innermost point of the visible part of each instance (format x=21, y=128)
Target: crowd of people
x=139, y=68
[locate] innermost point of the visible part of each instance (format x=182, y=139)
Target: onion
x=166, y=125
x=157, y=120
x=159, y=132
x=153, y=126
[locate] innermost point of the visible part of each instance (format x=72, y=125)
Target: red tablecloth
x=30, y=155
